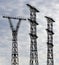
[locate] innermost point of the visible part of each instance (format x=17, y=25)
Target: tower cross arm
x=48, y=18
x=14, y=17
x=32, y=7
x=11, y=26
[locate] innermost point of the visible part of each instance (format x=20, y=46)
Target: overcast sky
x=18, y=8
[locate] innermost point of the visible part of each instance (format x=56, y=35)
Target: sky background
x=18, y=8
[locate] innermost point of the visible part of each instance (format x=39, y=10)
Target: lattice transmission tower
x=15, y=59
x=50, y=60
x=33, y=36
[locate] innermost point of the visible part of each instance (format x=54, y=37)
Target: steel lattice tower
x=15, y=59
x=50, y=60
x=33, y=36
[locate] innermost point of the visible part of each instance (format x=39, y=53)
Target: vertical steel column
x=15, y=59
x=33, y=36
x=50, y=60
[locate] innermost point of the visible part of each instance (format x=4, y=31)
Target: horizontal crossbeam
x=14, y=17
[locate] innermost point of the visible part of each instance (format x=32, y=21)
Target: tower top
x=49, y=18
x=32, y=7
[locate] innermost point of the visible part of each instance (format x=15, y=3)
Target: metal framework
x=50, y=60
x=15, y=59
x=33, y=36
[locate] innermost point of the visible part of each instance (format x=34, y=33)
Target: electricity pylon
x=50, y=60
x=15, y=59
x=33, y=36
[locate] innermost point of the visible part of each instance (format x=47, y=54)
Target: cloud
x=19, y=8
